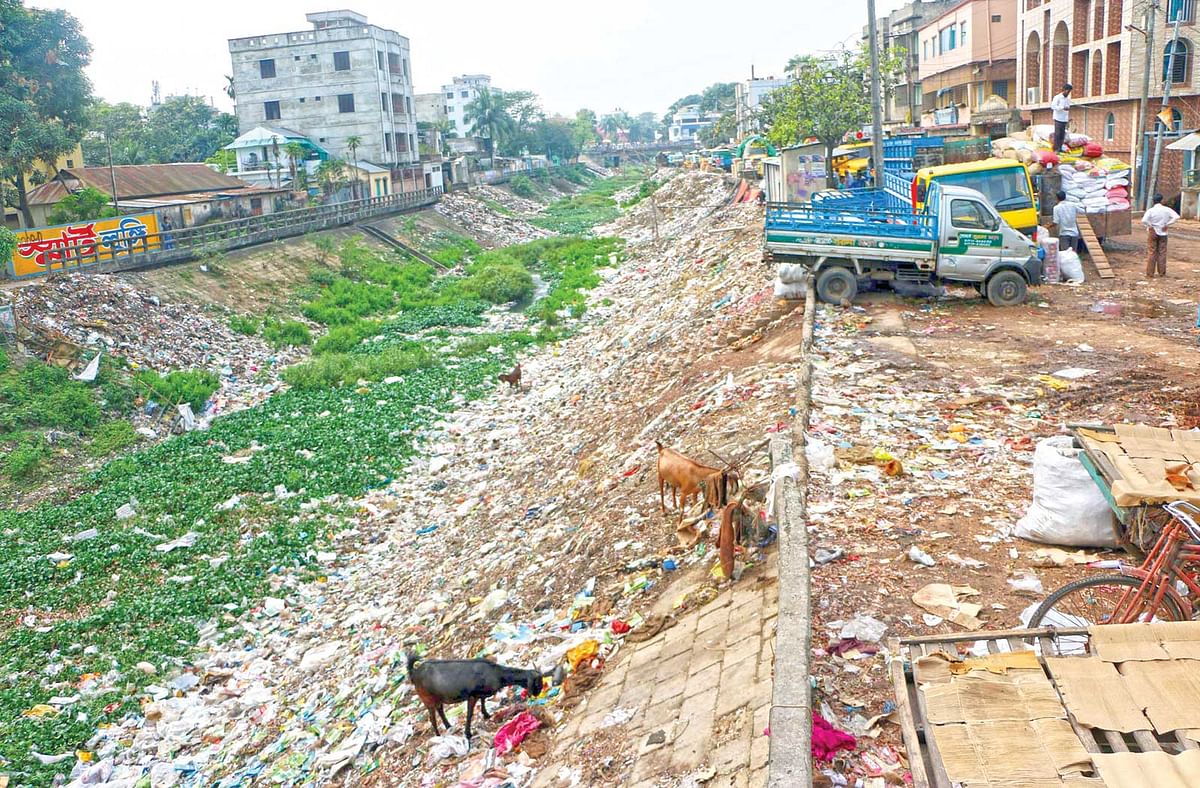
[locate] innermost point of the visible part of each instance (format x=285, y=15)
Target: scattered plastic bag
x=584, y=652
x=513, y=732
x=864, y=628
x=1028, y=583
x=443, y=747
x=1068, y=508
x=820, y=454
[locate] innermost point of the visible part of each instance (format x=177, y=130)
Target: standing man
x=1066, y=216
x=1061, y=106
x=1157, y=220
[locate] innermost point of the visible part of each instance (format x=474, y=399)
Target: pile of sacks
x=1097, y=182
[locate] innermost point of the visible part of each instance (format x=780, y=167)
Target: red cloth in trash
x=1045, y=157
x=515, y=730
x=826, y=739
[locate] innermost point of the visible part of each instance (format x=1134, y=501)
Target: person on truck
x=1157, y=220
x=1060, y=105
x=1066, y=216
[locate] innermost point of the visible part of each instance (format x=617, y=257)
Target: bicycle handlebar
x=1186, y=512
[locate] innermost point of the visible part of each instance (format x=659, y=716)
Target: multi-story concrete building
x=748, y=96
x=343, y=78
x=968, y=67
x=1099, y=46
x=459, y=94
x=689, y=121
x=899, y=30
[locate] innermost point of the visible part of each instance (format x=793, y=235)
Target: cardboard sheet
x=1169, y=691
x=998, y=663
x=1149, y=769
x=1141, y=455
x=1096, y=694
x=1012, y=753
x=981, y=696
x=1160, y=640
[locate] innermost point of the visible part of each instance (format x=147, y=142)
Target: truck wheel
x=836, y=284
x=1006, y=288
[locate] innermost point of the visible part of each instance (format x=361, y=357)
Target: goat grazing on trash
x=684, y=476
x=513, y=379
x=442, y=681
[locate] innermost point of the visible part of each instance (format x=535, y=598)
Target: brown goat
x=685, y=477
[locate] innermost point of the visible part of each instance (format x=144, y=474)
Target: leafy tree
x=43, y=91
x=555, y=138
x=613, y=123
x=182, y=128
x=584, y=128
x=296, y=154
x=8, y=242
x=84, y=205
x=330, y=174
x=829, y=97
x=720, y=132
x=489, y=118
x=718, y=97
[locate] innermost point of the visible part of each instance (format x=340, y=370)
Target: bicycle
x=1149, y=592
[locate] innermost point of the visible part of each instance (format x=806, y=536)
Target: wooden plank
x=971, y=637
x=908, y=725
x=939, y=778
x=1115, y=741
x=1095, y=251
x=1185, y=742
x=1147, y=741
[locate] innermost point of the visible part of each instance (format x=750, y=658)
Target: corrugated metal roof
x=140, y=180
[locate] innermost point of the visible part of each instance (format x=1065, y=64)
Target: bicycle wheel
x=1093, y=600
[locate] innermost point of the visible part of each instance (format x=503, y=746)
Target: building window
x=397, y=103
x=1180, y=66
x=341, y=61
x=266, y=69
x=313, y=56
x=387, y=142
x=1176, y=121
x=464, y=94
x=408, y=105
x=1110, y=127
x=383, y=101
x=962, y=34
x=1183, y=10
x=401, y=142
x=70, y=163
x=302, y=99
x=1000, y=89
x=345, y=102
x=316, y=98
x=271, y=110
x=918, y=94
x=449, y=95
x=412, y=142
x=995, y=18
x=925, y=49
x=406, y=67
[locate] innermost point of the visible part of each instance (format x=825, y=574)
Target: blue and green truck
x=847, y=240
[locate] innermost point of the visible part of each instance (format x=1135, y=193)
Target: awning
x=1190, y=142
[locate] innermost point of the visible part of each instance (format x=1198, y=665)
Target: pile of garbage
x=103, y=312
x=1097, y=182
x=506, y=198
x=490, y=228
x=526, y=530
x=685, y=198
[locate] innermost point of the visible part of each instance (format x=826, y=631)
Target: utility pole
x=112, y=174
x=876, y=104
x=1140, y=191
x=1153, y=184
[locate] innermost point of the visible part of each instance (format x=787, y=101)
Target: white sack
x=1068, y=508
x=1069, y=267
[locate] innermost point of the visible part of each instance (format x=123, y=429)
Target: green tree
x=353, y=143
x=182, y=128
x=8, y=242
x=686, y=101
x=330, y=174
x=718, y=97
x=584, y=128
x=44, y=93
x=721, y=132
x=488, y=116
x=829, y=97
x=613, y=123
x=123, y=126
x=84, y=205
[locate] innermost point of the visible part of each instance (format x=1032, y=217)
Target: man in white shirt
x=1066, y=216
x=1157, y=220
x=1060, y=105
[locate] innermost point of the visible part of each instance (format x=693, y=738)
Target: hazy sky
x=639, y=55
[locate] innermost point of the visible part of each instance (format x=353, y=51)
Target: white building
x=343, y=78
x=459, y=94
x=689, y=121
x=749, y=95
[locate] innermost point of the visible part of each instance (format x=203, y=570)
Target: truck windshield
x=1006, y=189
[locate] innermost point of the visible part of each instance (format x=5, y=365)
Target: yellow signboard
x=66, y=245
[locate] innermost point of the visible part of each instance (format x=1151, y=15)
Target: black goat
x=442, y=681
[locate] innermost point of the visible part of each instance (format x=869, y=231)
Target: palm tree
x=296, y=154
x=611, y=124
x=488, y=116
x=229, y=91
x=353, y=142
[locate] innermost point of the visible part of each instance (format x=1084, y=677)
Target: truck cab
x=1004, y=182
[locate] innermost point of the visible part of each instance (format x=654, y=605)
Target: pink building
x=968, y=66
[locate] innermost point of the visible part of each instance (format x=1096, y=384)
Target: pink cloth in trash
x=826, y=739
x=515, y=730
